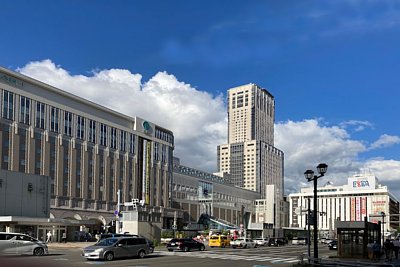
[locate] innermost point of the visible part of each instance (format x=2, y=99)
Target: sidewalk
x=70, y=244
x=360, y=262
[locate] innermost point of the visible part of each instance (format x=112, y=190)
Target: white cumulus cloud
x=385, y=141
x=199, y=122
x=197, y=118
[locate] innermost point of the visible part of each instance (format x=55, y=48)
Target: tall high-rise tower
x=251, y=114
x=250, y=156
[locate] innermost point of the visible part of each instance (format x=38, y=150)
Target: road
x=283, y=256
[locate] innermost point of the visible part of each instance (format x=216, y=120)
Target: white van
x=299, y=241
x=15, y=243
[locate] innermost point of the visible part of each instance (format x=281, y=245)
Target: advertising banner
x=363, y=207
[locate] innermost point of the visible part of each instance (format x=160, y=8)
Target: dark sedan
x=333, y=245
x=185, y=244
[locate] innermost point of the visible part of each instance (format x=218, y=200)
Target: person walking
x=376, y=251
x=64, y=237
x=49, y=236
x=388, y=247
x=396, y=247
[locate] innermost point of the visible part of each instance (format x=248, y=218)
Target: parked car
x=261, y=241
x=149, y=242
x=332, y=245
x=277, y=241
x=243, y=243
x=16, y=243
x=219, y=241
x=108, y=235
x=185, y=244
x=299, y=241
x=117, y=247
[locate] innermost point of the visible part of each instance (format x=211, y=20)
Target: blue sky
x=332, y=66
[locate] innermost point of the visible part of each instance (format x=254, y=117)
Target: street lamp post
x=383, y=227
x=308, y=229
x=309, y=174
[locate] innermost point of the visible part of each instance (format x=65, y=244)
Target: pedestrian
x=396, y=247
x=388, y=247
x=97, y=237
x=49, y=235
x=64, y=237
x=376, y=250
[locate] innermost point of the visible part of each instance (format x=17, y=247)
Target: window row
x=56, y=120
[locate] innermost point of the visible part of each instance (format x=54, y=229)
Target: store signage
x=360, y=183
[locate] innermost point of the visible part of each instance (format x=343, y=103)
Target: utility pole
x=175, y=226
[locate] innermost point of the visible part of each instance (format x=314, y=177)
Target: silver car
x=16, y=243
x=117, y=247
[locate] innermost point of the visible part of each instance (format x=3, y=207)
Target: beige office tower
x=250, y=156
x=251, y=114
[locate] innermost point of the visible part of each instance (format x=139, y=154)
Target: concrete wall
x=23, y=194
x=134, y=224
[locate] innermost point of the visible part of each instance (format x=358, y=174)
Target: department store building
x=362, y=196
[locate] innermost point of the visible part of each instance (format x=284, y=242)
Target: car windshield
x=106, y=242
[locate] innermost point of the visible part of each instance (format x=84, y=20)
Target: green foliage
x=226, y=232
x=167, y=234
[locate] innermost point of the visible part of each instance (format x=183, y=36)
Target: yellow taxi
x=218, y=241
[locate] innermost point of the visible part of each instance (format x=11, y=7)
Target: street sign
x=116, y=212
x=174, y=227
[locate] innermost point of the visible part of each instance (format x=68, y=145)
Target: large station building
x=88, y=151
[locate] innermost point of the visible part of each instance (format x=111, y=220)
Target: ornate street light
x=309, y=174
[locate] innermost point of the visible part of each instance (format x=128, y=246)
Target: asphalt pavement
x=382, y=262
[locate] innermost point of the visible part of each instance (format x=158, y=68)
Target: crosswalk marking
x=225, y=256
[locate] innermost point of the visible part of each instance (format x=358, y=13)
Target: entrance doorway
x=56, y=232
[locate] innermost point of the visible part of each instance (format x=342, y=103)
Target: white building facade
x=361, y=197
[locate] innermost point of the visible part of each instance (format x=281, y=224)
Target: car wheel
x=38, y=251
x=151, y=250
x=201, y=248
x=245, y=246
x=170, y=250
x=109, y=256
x=141, y=254
x=233, y=246
x=186, y=249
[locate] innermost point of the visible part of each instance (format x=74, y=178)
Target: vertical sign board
x=363, y=207
x=146, y=171
x=353, y=209
x=358, y=209
x=148, y=167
